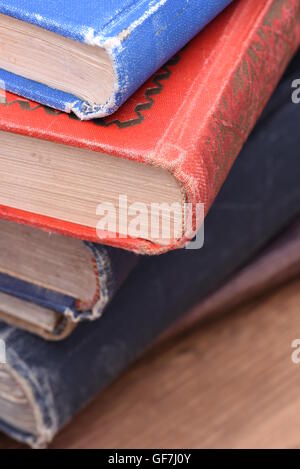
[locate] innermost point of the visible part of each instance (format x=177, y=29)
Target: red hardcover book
x=175, y=140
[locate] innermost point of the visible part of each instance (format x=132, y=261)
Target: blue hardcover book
x=46, y=383
x=90, y=56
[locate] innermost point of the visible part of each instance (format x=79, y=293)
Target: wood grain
x=230, y=383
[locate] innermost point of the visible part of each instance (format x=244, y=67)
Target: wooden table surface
x=230, y=383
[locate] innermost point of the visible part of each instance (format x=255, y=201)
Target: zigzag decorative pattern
x=163, y=74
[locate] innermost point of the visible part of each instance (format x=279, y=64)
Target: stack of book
x=120, y=127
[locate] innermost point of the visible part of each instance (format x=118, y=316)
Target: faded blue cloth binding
x=113, y=267
x=260, y=197
x=155, y=31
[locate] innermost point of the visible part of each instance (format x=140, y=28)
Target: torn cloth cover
x=111, y=268
x=139, y=36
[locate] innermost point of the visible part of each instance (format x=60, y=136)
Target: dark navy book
x=49, y=382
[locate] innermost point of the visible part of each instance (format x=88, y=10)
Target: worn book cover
x=174, y=141
x=46, y=384
x=102, y=51
x=49, y=283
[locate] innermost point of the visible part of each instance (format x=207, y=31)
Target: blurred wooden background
x=230, y=383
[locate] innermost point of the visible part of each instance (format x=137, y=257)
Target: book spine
x=229, y=101
x=146, y=37
x=112, y=267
